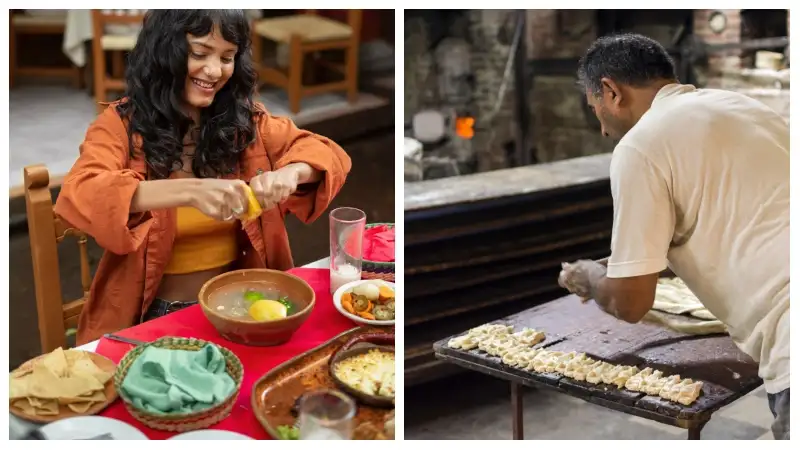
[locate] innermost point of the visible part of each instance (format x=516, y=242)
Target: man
x=700, y=181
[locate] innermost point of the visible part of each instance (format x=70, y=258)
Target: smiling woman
x=187, y=177
x=210, y=67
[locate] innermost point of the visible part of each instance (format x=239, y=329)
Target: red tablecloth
x=323, y=324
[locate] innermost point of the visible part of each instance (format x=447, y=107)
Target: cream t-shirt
x=701, y=184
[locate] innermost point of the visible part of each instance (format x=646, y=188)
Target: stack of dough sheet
x=674, y=297
x=682, y=307
x=516, y=350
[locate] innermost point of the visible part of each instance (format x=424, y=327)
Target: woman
x=162, y=175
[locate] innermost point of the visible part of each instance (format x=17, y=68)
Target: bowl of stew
x=260, y=307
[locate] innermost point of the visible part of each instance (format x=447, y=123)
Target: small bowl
x=337, y=302
x=378, y=401
x=274, y=332
x=377, y=270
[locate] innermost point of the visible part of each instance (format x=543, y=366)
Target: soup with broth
x=252, y=301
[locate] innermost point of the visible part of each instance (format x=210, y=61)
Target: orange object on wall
x=465, y=127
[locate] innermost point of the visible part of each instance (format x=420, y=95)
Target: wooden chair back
x=354, y=19
x=46, y=231
x=116, y=45
x=20, y=24
x=324, y=37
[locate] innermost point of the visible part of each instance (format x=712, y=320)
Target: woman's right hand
x=220, y=199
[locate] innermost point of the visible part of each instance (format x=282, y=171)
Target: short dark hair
x=627, y=58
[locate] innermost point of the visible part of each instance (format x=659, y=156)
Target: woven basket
x=181, y=422
x=376, y=270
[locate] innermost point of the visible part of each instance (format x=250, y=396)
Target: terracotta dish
x=363, y=397
x=275, y=394
x=275, y=332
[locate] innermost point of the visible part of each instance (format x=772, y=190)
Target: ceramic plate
x=77, y=428
x=337, y=302
x=210, y=435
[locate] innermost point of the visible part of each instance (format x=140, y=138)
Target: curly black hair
x=626, y=58
x=156, y=77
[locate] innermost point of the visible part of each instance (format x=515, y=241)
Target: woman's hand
x=222, y=200
x=273, y=188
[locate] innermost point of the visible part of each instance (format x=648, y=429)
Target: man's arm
x=627, y=299
x=644, y=223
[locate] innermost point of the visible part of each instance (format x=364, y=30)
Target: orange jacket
x=96, y=196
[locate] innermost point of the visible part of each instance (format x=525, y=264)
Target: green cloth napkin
x=163, y=381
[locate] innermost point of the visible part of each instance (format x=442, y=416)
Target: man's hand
x=628, y=299
x=578, y=277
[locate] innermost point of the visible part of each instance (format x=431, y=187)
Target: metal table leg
x=694, y=431
x=516, y=408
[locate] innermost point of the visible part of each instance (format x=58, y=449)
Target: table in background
x=79, y=30
x=570, y=325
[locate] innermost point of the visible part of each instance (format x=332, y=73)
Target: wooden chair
x=24, y=24
x=117, y=45
x=46, y=231
x=304, y=34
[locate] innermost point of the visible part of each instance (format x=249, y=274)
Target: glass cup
x=326, y=415
x=347, y=236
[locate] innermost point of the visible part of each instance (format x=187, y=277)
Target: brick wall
x=562, y=126
x=556, y=33
x=488, y=57
x=732, y=33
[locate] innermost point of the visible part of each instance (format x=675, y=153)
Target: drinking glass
x=326, y=415
x=347, y=235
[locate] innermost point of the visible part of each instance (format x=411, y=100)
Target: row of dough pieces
x=515, y=350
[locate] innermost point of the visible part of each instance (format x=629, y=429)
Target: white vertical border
x=6, y=256
x=794, y=209
x=399, y=177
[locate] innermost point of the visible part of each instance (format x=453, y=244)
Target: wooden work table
x=726, y=372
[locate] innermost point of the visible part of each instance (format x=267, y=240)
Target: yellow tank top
x=201, y=243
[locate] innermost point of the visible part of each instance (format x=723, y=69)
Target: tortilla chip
x=18, y=387
x=80, y=408
x=25, y=369
x=87, y=367
x=45, y=385
x=37, y=407
x=25, y=406
x=68, y=378
x=94, y=397
x=73, y=355
x=56, y=362
x=36, y=402
x=47, y=408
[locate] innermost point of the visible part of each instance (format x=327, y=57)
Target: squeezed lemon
x=266, y=310
x=253, y=207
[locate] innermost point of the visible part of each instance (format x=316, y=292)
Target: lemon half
x=253, y=207
x=266, y=310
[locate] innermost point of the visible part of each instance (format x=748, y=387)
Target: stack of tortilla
x=684, y=312
x=62, y=378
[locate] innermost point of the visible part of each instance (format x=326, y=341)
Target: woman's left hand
x=273, y=188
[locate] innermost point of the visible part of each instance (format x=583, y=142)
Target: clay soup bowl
x=275, y=332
